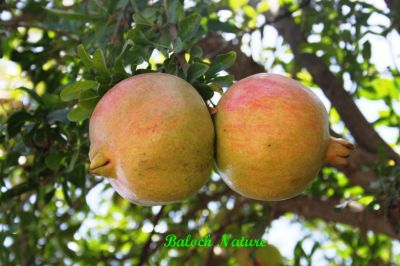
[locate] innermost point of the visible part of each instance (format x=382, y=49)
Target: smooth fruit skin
x=152, y=136
x=272, y=137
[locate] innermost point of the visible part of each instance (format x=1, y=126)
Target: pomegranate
x=272, y=137
x=153, y=137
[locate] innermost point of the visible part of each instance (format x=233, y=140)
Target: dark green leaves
x=84, y=56
x=221, y=62
x=147, y=17
x=216, y=25
x=196, y=70
x=73, y=91
x=204, y=90
x=174, y=11
x=152, y=31
x=88, y=92
x=366, y=52
x=196, y=51
x=78, y=114
x=16, y=121
x=88, y=99
x=189, y=26
x=223, y=81
x=53, y=160
x=99, y=62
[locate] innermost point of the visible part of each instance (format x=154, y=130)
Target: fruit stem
x=212, y=110
x=338, y=151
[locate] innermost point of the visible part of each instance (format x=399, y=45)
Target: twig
x=180, y=56
x=146, y=248
x=114, y=37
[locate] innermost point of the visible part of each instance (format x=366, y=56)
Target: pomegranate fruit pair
x=153, y=137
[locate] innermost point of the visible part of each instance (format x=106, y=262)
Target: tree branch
x=354, y=214
x=146, y=248
x=115, y=37
x=394, y=7
x=244, y=66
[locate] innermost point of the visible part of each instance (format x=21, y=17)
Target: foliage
x=69, y=53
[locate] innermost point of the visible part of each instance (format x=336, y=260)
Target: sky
x=284, y=232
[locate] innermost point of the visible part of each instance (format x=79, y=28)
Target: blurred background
x=53, y=212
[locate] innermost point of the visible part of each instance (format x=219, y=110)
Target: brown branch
x=394, y=7
x=173, y=32
x=146, y=248
x=120, y=23
x=244, y=66
x=353, y=214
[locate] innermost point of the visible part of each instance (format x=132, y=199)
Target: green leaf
x=223, y=81
x=99, y=62
x=196, y=51
x=73, y=91
x=84, y=56
x=79, y=114
x=58, y=115
x=215, y=25
x=88, y=99
x=53, y=160
x=216, y=88
x=174, y=11
x=125, y=47
x=150, y=13
x=237, y=4
x=250, y=11
x=138, y=37
x=263, y=6
x=74, y=15
x=221, y=62
x=16, y=121
x=379, y=89
x=170, y=66
x=204, y=90
x=366, y=52
x=145, y=17
x=178, y=45
x=196, y=70
x=189, y=26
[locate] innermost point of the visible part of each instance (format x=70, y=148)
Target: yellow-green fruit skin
x=272, y=136
x=153, y=137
